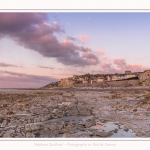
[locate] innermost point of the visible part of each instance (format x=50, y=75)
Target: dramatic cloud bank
x=32, y=31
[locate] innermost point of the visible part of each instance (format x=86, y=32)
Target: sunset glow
x=39, y=48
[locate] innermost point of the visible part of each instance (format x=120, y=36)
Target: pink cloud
x=55, y=23
x=84, y=38
x=45, y=67
x=91, y=57
x=107, y=68
x=123, y=65
x=120, y=62
x=101, y=52
x=65, y=41
x=80, y=39
x=105, y=57
x=72, y=38
x=88, y=55
x=7, y=65
x=136, y=67
x=119, y=65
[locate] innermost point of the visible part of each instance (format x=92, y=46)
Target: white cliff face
x=145, y=78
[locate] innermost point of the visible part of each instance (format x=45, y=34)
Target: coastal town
x=127, y=78
x=106, y=77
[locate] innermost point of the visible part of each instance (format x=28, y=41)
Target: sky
x=39, y=48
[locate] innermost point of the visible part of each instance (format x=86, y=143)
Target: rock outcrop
x=145, y=78
x=66, y=82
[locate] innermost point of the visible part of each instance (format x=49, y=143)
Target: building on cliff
x=103, y=79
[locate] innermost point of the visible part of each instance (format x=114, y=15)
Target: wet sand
x=70, y=113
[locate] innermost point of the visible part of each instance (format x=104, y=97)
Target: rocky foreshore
x=55, y=113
